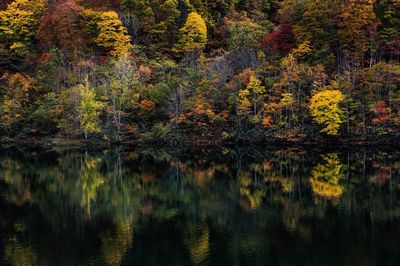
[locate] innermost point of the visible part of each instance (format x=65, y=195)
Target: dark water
x=200, y=207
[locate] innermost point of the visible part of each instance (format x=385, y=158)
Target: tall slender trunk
x=363, y=117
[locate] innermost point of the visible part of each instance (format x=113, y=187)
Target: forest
x=236, y=71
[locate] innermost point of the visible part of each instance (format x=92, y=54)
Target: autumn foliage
x=244, y=71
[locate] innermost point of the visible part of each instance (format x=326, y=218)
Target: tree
x=113, y=35
x=357, y=24
x=325, y=108
x=243, y=40
x=135, y=17
x=287, y=103
x=89, y=110
x=122, y=89
x=280, y=40
x=315, y=22
x=165, y=29
x=193, y=35
x=382, y=113
x=65, y=110
x=296, y=81
x=252, y=5
x=388, y=13
x=257, y=89
x=244, y=34
x=16, y=102
x=109, y=32
x=250, y=96
x=19, y=22
x=60, y=27
x=136, y=7
x=217, y=9
x=376, y=96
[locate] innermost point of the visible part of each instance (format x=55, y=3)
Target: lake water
x=228, y=206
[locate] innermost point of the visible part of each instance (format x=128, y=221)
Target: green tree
x=315, y=22
x=388, y=12
x=136, y=7
x=244, y=34
x=89, y=110
x=164, y=32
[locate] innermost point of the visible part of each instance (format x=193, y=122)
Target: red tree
x=382, y=113
x=59, y=27
x=279, y=41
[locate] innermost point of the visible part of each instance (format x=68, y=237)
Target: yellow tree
x=325, y=108
x=193, y=35
x=19, y=22
x=89, y=110
x=111, y=34
x=244, y=106
x=257, y=89
x=254, y=90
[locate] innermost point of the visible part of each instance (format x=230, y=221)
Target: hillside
x=200, y=70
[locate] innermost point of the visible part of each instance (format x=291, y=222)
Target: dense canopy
x=166, y=70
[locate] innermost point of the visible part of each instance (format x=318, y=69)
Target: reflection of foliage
x=326, y=176
x=383, y=173
x=19, y=254
x=251, y=195
x=239, y=192
x=17, y=251
x=19, y=192
x=287, y=185
x=116, y=243
x=325, y=189
x=91, y=181
x=198, y=243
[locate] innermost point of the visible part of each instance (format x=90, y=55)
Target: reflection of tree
x=116, y=243
x=13, y=175
x=17, y=250
x=252, y=193
x=238, y=194
x=197, y=241
x=383, y=173
x=91, y=180
x=325, y=177
x=202, y=175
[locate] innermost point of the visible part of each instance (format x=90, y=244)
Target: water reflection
x=212, y=207
x=326, y=176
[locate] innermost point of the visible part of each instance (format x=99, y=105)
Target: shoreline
x=48, y=142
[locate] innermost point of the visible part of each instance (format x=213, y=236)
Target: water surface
x=228, y=206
